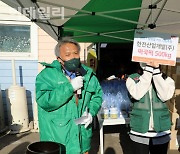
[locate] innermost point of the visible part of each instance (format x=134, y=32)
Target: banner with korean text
x=154, y=46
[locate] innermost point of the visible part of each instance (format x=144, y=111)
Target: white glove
x=88, y=120
x=77, y=83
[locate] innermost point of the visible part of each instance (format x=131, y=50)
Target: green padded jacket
x=57, y=107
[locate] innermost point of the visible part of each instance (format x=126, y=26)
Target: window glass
x=15, y=38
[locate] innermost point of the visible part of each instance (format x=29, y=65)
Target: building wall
x=25, y=63
x=46, y=45
x=26, y=72
x=178, y=51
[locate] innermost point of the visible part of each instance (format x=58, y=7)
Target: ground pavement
x=116, y=141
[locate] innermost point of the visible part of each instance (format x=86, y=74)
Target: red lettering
x=162, y=54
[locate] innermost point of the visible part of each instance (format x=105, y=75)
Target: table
x=105, y=122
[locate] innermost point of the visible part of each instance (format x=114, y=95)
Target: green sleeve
x=50, y=96
x=96, y=99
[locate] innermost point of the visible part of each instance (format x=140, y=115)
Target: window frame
x=33, y=55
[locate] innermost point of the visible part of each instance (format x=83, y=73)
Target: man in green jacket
x=65, y=91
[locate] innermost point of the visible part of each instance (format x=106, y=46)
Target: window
x=15, y=38
x=18, y=41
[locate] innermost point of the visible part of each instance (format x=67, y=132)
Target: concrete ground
x=17, y=144
x=116, y=141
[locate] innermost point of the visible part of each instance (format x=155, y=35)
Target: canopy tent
x=102, y=20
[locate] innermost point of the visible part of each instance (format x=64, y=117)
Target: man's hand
x=77, y=83
x=89, y=118
x=88, y=121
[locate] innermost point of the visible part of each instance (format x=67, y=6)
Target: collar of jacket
x=56, y=64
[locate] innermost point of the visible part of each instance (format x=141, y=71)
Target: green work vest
x=141, y=112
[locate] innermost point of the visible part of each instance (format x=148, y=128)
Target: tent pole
x=101, y=34
x=20, y=3
x=167, y=24
x=98, y=51
x=120, y=38
x=71, y=16
x=156, y=2
x=60, y=32
x=120, y=31
x=152, y=7
x=41, y=22
x=35, y=20
x=81, y=31
x=148, y=17
x=88, y=12
x=160, y=11
x=170, y=10
x=98, y=60
x=119, y=19
x=123, y=10
x=79, y=36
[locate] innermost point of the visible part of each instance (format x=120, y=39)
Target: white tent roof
x=164, y=16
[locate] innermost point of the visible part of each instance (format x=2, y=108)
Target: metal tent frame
x=55, y=26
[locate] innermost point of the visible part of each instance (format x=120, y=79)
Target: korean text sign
x=154, y=46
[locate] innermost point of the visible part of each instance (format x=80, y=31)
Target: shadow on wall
x=28, y=94
x=29, y=104
x=21, y=76
x=4, y=107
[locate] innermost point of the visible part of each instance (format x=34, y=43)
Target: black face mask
x=72, y=64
